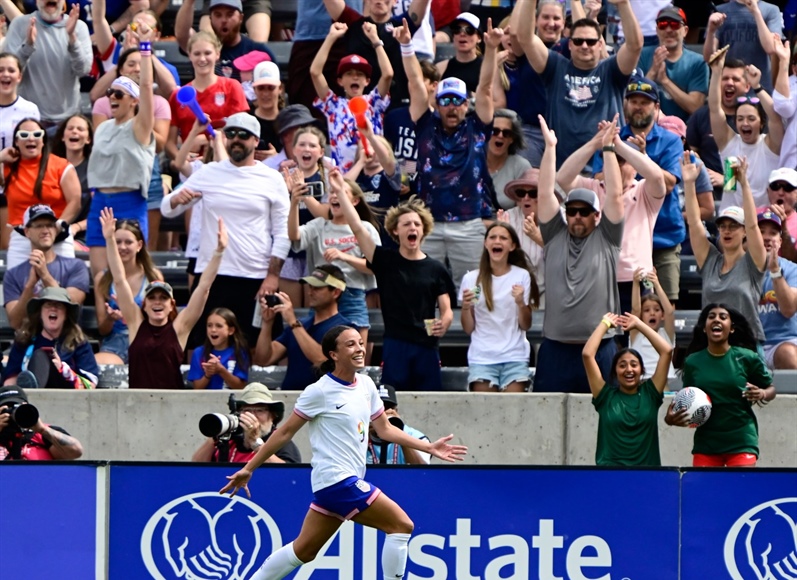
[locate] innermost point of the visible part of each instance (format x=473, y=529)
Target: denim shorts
x=352, y=307
x=294, y=268
x=500, y=374
x=117, y=343
x=345, y=499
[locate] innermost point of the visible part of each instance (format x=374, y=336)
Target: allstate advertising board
x=742, y=521
x=170, y=523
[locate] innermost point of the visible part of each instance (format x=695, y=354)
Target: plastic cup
x=429, y=324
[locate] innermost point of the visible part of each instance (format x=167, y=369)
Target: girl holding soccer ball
x=628, y=432
x=722, y=361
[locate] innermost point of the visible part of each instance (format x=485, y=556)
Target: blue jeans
x=561, y=370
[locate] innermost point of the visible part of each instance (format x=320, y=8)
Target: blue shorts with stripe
x=345, y=499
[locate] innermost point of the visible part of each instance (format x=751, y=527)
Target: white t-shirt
x=339, y=415
x=761, y=161
x=321, y=234
x=498, y=337
x=650, y=358
x=253, y=201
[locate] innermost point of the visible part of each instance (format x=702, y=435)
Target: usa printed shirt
x=342, y=128
x=453, y=180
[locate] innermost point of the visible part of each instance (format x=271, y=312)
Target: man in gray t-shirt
x=584, y=90
x=581, y=253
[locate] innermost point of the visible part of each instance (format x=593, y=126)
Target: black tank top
x=155, y=357
x=465, y=71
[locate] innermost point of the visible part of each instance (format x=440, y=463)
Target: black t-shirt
x=268, y=133
x=699, y=136
x=409, y=290
x=225, y=67
x=467, y=72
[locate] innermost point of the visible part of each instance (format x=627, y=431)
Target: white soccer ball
x=697, y=402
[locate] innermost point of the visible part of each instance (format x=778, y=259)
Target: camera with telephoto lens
x=223, y=426
x=23, y=416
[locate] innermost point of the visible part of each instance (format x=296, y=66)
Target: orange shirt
x=19, y=192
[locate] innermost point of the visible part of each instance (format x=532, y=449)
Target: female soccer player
x=339, y=408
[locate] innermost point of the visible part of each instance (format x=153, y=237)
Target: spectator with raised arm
x=784, y=101
x=757, y=136
x=628, y=430
x=733, y=274
x=642, y=201
x=778, y=304
x=120, y=167
x=747, y=28
x=655, y=310
x=411, y=284
x=354, y=76
x=584, y=90
x=454, y=181
x=55, y=48
x=582, y=249
x=158, y=333
x=682, y=74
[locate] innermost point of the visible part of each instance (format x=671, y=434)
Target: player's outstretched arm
x=441, y=448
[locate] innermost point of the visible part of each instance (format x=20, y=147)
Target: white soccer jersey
x=12, y=114
x=339, y=415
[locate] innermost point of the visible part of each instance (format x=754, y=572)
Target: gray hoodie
x=52, y=66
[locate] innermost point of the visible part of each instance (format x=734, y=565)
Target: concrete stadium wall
x=152, y=425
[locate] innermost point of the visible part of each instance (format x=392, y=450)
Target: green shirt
x=732, y=427
x=628, y=431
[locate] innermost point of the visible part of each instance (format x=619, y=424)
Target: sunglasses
x=747, y=100
x=785, y=186
x=37, y=134
x=588, y=41
x=505, y=133
x=128, y=222
x=671, y=24
x=582, y=211
x=469, y=30
x=116, y=93
x=448, y=101
x=267, y=88
x=521, y=193
x=644, y=87
x=241, y=134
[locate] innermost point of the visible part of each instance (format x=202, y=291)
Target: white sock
x=394, y=556
x=279, y=564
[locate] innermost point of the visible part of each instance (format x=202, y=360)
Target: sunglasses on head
x=505, y=133
x=521, y=193
x=582, y=211
x=241, y=134
x=588, y=41
x=784, y=185
x=127, y=222
x=671, y=24
x=748, y=100
x=644, y=87
x=37, y=134
x=469, y=30
x=446, y=101
x=116, y=93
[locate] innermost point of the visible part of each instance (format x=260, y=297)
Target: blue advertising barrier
x=743, y=521
x=169, y=522
x=49, y=523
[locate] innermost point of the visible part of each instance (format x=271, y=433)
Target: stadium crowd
x=560, y=161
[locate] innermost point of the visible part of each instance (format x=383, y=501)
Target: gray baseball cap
x=585, y=196
x=243, y=121
x=231, y=3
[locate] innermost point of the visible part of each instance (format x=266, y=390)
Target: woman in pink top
x=642, y=200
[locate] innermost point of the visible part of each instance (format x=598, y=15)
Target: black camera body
x=223, y=426
x=272, y=300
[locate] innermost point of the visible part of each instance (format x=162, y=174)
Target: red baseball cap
x=356, y=62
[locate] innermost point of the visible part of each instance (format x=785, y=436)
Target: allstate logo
x=762, y=543
x=207, y=536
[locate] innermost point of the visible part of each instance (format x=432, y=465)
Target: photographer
x=380, y=451
x=258, y=415
x=23, y=435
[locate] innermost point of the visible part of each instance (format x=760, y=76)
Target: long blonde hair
x=322, y=141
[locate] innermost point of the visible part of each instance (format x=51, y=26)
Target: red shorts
x=724, y=460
